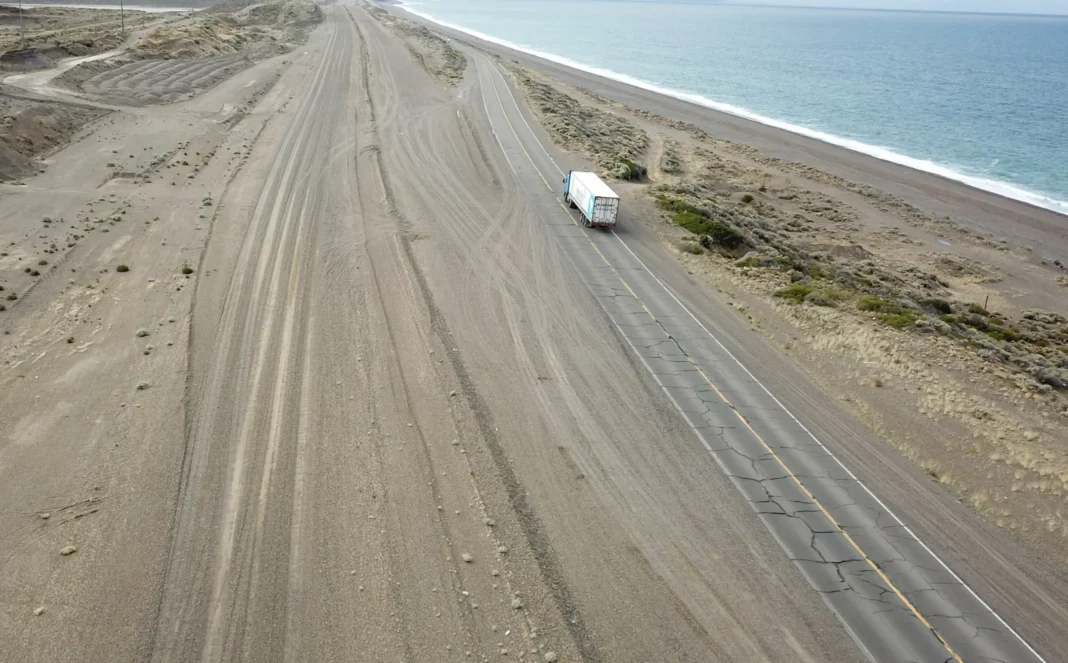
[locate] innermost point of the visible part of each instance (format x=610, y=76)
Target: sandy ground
x=158, y=59
x=47, y=35
x=301, y=377
x=34, y=123
x=290, y=429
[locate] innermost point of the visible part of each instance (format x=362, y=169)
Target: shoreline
x=1005, y=190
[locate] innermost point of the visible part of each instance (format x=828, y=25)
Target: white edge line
x=482, y=93
x=787, y=411
x=829, y=453
x=726, y=471
x=524, y=118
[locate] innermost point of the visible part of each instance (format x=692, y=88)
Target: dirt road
x=404, y=429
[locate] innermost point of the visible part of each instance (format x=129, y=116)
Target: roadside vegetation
x=616, y=145
x=905, y=299
x=435, y=54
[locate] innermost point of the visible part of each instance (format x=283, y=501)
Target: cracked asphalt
x=898, y=601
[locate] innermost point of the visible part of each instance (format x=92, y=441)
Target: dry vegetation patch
x=617, y=145
x=31, y=129
x=56, y=33
x=180, y=59
x=436, y=54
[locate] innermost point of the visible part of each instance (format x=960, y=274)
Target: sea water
x=981, y=98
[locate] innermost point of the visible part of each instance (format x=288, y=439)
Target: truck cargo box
x=595, y=201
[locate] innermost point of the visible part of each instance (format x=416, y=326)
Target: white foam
x=886, y=154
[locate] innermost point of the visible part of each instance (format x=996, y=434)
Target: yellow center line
x=745, y=422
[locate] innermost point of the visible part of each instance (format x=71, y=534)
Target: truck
x=597, y=204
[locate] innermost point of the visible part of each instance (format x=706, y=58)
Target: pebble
x=45, y=516
x=37, y=612
x=467, y=558
x=68, y=550
x=517, y=604
x=452, y=393
x=502, y=550
x=495, y=573
x=550, y=657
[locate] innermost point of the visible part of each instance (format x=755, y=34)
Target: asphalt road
x=898, y=600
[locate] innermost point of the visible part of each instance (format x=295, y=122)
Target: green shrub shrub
x=627, y=169
x=674, y=205
x=939, y=306
x=887, y=312
x=795, y=293
x=1004, y=334
x=896, y=320
x=825, y=298
x=697, y=221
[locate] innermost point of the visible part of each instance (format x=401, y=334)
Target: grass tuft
x=795, y=293
x=889, y=313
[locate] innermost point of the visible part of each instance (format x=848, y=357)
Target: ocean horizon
x=977, y=98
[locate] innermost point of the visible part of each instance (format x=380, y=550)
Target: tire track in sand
x=198, y=594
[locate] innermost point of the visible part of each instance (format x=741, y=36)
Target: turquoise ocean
x=980, y=98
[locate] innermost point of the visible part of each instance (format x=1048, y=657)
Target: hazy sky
x=1006, y=6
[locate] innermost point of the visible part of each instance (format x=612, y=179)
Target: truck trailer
x=597, y=204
